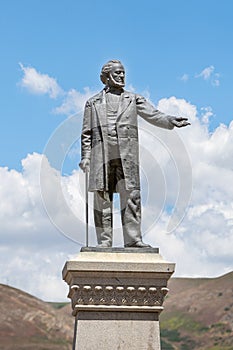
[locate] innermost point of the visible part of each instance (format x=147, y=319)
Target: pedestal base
x=116, y=298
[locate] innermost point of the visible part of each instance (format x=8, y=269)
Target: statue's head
x=113, y=74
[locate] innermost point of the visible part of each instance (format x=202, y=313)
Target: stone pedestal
x=117, y=296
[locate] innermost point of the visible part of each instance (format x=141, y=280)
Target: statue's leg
x=103, y=217
x=130, y=211
x=131, y=216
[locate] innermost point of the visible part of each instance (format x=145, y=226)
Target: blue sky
x=179, y=54
x=158, y=41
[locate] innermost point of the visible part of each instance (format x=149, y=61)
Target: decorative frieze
x=118, y=295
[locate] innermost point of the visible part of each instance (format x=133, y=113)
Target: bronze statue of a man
x=110, y=152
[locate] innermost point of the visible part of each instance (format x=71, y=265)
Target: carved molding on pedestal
x=116, y=295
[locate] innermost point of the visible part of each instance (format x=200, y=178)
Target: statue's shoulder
x=130, y=94
x=96, y=97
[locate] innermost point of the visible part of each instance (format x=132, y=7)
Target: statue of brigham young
x=110, y=152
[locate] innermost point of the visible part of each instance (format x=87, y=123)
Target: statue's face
x=117, y=76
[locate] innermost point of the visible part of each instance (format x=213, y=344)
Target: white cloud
x=207, y=113
x=38, y=83
x=216, y=81
x=200, y=245
x=33, y=251
x=35, y=82
x=74, y=101
x=185, y=77
x=208, y=73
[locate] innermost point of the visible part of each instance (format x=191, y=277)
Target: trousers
x=130, y=204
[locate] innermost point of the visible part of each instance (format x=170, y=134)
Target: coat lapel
x=100, y=106
x=124, y=103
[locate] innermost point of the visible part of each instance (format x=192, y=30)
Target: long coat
x=94, y=139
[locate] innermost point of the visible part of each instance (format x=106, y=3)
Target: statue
x=109, y=150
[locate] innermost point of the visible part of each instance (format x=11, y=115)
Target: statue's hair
x=106, y=69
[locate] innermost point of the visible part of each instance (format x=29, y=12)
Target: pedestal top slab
x=118, y=262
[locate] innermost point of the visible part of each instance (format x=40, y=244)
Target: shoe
x=138, y=244
x=103, y=245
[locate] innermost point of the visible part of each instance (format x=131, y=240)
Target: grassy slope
x=198, y=314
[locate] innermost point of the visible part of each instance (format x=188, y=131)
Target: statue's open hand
x=85, y=164
x=179, y=122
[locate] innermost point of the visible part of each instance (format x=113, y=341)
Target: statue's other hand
x=179, y=122
x=85, y=164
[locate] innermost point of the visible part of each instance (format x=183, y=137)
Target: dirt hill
x=198, y=315
x=29, y=323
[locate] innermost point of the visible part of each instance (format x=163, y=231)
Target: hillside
x=198, y=315
x=29, y=323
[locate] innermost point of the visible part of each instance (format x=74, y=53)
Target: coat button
x=113, y=133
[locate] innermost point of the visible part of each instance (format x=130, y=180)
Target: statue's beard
x=114, y=83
